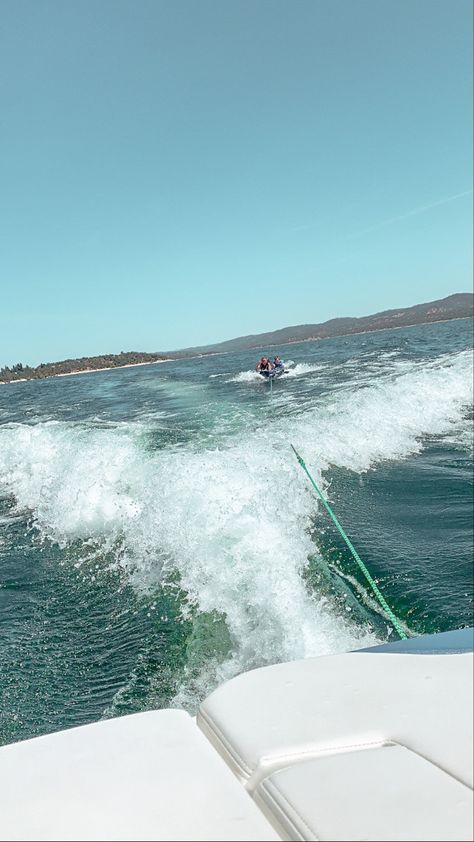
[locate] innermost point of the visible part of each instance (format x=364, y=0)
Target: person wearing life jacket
x=263, y=364
x=278, y=362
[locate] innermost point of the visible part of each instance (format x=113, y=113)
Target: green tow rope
x=354, y=552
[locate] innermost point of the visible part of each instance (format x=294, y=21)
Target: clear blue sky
x=180, y=172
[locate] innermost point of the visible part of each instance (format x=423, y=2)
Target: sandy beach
x=84, y=371
x=106, y=368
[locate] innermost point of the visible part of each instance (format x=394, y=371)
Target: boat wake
x=294, y=370
x=229, y=522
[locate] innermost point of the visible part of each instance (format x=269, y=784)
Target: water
x=157, y=535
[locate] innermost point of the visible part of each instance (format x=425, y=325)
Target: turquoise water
x=157, y=535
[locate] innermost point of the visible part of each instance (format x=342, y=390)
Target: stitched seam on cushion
x=278, y=757
x=284, y=802
x=275, y=758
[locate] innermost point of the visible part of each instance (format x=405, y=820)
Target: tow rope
x=380, y=597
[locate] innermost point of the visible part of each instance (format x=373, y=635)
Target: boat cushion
x=149, y=776
x=278, y=715
x=386, y=793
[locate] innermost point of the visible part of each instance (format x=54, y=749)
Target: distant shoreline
x=338, y=336
x=296, y=341
x=105, y=368
x=372, y=330
x=84, y=371
x=111, y=368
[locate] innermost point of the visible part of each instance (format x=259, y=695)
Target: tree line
x=39, y=372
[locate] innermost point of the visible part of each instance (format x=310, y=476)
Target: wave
x=231, y=519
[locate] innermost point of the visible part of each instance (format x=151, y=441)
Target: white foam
x=301, y=369
x=232, y=519
x=296, y=370
x=74, y=480
x=247, y=377
x=358, y=427
x=220, y=517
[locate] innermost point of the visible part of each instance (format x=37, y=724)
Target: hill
x=458, y=306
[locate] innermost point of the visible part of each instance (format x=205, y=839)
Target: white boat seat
x=280, y=715
x=385, y=793
x=149, y=776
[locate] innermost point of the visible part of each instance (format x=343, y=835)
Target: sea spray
x=227, y=512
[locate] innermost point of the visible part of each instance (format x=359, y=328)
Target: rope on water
x=380, y=597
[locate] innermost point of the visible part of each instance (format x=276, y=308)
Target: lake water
x=158, y=536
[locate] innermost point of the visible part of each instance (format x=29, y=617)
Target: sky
x=181, y=172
